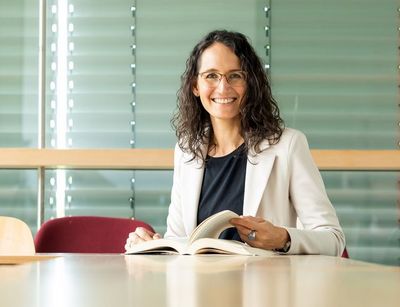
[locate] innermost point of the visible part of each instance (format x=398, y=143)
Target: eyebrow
x=216, y=70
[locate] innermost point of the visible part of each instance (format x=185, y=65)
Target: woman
x=233, y=152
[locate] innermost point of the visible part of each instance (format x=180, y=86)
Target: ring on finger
x=252, y=235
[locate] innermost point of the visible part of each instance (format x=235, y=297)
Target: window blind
x=334, y=74
x=99, y=113
x=18, y=73
x=18, y=103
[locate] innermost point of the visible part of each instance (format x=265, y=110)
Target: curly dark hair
x=259, y=111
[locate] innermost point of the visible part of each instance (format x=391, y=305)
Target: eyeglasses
x=234, y=78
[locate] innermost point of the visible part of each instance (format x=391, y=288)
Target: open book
x=203, y=240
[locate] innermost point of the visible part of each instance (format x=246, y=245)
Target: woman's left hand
x=266, y=235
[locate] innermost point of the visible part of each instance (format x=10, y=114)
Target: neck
x=226, y=138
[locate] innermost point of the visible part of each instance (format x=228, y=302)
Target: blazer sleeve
x=175, y=226
x=320, y=232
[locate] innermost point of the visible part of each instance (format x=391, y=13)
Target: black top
x=223, y=187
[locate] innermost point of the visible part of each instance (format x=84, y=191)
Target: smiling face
x=221, y=100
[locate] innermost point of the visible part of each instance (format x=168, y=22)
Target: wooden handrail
x=162, y=159
x=139, y=159
x=374, y=160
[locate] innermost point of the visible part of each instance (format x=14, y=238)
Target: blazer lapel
x=192, y=173
x=259, y=167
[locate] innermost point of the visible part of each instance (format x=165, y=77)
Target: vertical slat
x=41, y=105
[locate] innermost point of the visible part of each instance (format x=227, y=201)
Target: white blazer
x=282, y=185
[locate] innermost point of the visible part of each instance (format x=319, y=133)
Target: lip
x=225, y=100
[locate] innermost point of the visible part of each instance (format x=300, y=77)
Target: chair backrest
x=15, y=237
x=85, y=234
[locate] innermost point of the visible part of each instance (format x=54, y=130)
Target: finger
x=236, y=221
x=243, y=230
x=132, y=240
x=128, y=245
x=255, y=219
x=144, y=234
x=244, y=237
x=132, y=235
x=156, y=236
x=244, y=234
x=247, y=221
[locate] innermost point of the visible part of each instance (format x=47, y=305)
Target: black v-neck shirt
x=223, y=187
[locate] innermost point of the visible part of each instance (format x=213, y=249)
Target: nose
x=223, y=83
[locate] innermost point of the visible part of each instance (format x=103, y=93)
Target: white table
x=76, y=280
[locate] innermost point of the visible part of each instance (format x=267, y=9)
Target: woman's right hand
x=140, y=235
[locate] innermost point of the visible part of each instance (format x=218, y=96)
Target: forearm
x=328, y=242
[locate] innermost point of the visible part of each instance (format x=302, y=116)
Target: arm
x=322, y=233
x=300, y=191
x=175, y=226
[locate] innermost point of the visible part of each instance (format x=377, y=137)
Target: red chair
x=345, y=253
x=85, y=234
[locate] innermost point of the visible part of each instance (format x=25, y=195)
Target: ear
x=195, y=89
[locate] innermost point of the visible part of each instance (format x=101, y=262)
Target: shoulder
x=292, y=145
x=182, y=157
x=289, y=138
x=178, y=154
x=290, y=135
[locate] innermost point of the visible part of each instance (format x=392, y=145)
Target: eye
x=211, y=76
x=236, y=76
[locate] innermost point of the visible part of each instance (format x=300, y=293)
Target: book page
x=213, y=226
x=221, y=246
x=159, y=246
